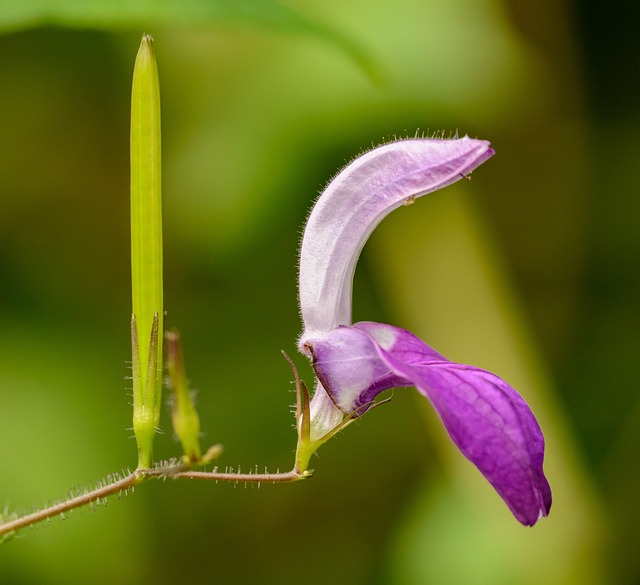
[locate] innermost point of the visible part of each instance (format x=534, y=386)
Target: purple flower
x=486, y=418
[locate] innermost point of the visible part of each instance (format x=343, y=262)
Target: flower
x=485, y=417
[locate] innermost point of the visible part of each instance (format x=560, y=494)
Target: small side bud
x=186, y=423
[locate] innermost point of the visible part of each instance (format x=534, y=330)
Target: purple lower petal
x=493, y=427
x=486, y=418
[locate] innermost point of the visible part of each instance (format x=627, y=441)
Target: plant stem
x=280, y=477
x=71, y=504
x=139, y=476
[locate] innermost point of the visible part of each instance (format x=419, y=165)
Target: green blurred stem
x=146, y=251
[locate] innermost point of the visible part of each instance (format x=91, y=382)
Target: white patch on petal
x=384, y=335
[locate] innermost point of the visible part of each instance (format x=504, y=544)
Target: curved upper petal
x=355, y=202
x=486, y=418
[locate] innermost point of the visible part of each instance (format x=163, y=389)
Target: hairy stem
x=137, y=477
x=78, y=502
x=284, y=477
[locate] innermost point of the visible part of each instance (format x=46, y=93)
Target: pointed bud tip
x=146, y=53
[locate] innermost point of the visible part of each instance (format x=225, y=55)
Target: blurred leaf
x=151, y=14
x=101, y=14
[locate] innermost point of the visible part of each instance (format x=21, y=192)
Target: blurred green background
x=530, y=269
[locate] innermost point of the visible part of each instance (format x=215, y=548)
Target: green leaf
x=150, y=15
